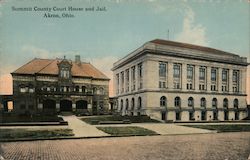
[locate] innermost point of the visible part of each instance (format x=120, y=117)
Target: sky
x=102, y=37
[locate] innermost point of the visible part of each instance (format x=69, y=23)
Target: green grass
x=223, y=128
x=14, y=134
x=133, y=119
x=12, y=118
x=127, y=131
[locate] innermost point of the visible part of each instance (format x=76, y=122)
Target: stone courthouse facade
x=177, y=81
x=57, y=85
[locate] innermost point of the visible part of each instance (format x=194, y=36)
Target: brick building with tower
x=58, y=85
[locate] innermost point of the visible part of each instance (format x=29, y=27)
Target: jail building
x=174, y=81
x=60, y=85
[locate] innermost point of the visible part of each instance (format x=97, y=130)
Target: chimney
x=77, y=59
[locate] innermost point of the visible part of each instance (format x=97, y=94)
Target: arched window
x=139, y=103
x=94, y=90
x=163, y=101
x=177, y=102
x=127, y=104
x=77, y=88
x=132, y=104
x=203, y=102
x=101, y=91
x=214, y=103
x=83, y=89
x=236, y=103
x=190, y=102
x=225, y=103
x=121, y=105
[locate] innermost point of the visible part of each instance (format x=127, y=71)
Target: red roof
x=49, y=67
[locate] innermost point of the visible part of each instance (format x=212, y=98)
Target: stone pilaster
x=230, y=81
x=221, y=115
x=208, y=79
x=184, y=77
x=170, y=75
x=242, y=80
x=197, y=115
x=196, y=78
x=219, y=80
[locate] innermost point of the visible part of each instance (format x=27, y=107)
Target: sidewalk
x=82, y=129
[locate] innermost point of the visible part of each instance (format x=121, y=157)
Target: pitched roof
x=191, y=46
x=49, y=67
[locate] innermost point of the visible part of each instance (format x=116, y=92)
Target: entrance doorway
x=65, y=106
x=163, y=116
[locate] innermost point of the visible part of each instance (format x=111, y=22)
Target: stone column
x=196, y=78
x=184, y=77
x=230, y=81
x=170, y=75
x=208, y=79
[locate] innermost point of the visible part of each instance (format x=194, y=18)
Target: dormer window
x=65, y=73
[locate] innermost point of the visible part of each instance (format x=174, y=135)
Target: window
x=133, y=78
x=121, y=105
x=127, y=104
x=64, y=73
x=23, y=89
x=177, y=71
x=190, y=72
x=202, y=71
x=140, y=69
x=213, y=74
x=162, y=84
x=139, y=103
x=224, y=75
x=163, y=101
x=235, y=76
x=213, y=87
x=162, y=69
x=177, y=85
x=177, y=102
x=203, y=102
x=127, y=80
x=94, y=90
x=214, y=103
x=122, y=76
x=225, y=103
x=190, y=102
x=77, y=88
x=101, y=91
x=189, y=86
x=236, y=103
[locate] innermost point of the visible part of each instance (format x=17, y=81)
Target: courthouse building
x=177, y=81
x=55, y=85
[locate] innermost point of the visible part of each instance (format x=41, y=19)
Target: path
x=82, y=129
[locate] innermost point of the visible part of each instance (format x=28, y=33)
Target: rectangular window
x=213, y=74
x=202, y=71
x=190, y=72
x=177, y=72
x=162, y=69
x=122, y=76
x=140, y=69
x=235, y=76
x=224, y=75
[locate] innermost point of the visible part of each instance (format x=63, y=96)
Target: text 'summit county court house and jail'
x=177, y=81
x=56, y=85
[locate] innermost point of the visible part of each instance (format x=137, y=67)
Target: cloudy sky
x=102, y=37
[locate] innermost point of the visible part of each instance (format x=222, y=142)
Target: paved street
x=219, y=146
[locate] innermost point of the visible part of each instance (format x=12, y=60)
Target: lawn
x=12, y=118
x=224, y=128
x=127, y=131
x=133, y=119
x=14, y=134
